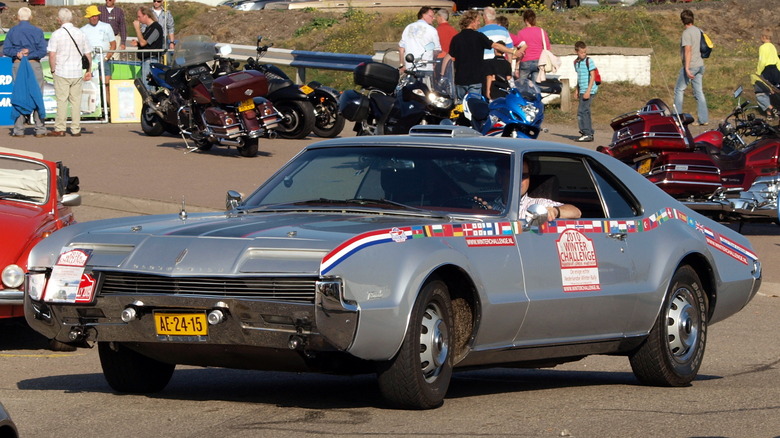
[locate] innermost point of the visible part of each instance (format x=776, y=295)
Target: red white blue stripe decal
x=502, y=234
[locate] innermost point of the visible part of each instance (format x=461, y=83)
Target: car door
x=578, y=273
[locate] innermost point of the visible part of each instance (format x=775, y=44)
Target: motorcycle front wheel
x=328, y=122
x=151, y=123
x=297, y=118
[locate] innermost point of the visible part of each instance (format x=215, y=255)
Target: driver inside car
x=555, y=209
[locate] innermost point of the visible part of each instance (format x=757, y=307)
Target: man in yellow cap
x=100, y=35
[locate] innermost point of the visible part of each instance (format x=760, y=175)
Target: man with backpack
x=692, y=71
x=586, y=90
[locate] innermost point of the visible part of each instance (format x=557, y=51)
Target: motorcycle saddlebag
x=377, y=75
x=353, y=105
x=651, y=130
x=683, y=174
x=238, y=86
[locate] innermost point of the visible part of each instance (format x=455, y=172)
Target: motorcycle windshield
x=195, y=49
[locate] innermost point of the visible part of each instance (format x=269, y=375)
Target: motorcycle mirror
x=409, y=57
x=225, y=50
x=738, y=91
x=259, y=38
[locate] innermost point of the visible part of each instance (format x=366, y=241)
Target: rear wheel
x=297, y=118
x=250, y=148
x=151, y=123
x=419, y=375
x=131, y=372
x=673, y=351
x=328, y=121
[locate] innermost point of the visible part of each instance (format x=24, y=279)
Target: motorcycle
x=391, y=104
x=519, y=114
x=230, y=110
x=303, y=108
x=717, y=173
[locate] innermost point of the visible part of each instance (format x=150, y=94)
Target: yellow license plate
x=644, y=166
x=307, y=89
x=181, y=324
x=246, y=105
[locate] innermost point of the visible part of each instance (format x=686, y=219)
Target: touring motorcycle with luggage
x=229, y=110
x=717, y=173
x=390, y=104
x=312, y=107
x=519, y=114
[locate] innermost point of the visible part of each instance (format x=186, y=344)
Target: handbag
x=85, y=63
x=548, y=59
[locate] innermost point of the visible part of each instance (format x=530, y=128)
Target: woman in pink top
x=536, y=39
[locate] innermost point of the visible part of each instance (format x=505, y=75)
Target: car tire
x=249, y=149
x=297, y=118
x=419, y=375
x=128, y=371
x=673, y=351
x=151, y=123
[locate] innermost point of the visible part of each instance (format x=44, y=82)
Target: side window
x=616, y=198
x=567, y=179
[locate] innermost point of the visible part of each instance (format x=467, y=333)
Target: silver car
x=403, y=256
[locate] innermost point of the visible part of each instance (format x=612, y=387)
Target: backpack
x=705, y=45
x=596, y=74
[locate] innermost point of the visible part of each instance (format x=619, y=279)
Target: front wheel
x=419, y=375
x=249, y=149
x=297, y=118
x=128, y=371
x=151, y=123
x=673, y=351
x=328, y=121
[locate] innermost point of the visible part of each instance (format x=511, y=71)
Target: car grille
x=297, y=289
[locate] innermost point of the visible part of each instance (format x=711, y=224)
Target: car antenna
x=182, y=212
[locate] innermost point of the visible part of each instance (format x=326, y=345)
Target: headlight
x=531, y=112
x=13, y=276
x=439, y=101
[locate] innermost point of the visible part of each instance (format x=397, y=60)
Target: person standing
x=115, y=17
x=100, y=35
x=535, y=39
x=692, y=71
x=467, y=48
x=444, y=79
x=494, y=31
x=498, y=76
x=165, y=18
x=150, y=41
x=768, y=69
x=66, y=47
x=586, y=90
x=26, y=40
x=421, y=40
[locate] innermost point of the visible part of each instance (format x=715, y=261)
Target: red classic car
x=35, y=200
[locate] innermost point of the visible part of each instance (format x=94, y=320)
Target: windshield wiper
x=15, y=195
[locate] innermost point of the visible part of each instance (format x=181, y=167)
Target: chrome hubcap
x=434, y=347
x=683, y=325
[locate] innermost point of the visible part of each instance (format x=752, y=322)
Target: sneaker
x=585, y=138
x=56, y=134
x=703, y=124
x=17, y=135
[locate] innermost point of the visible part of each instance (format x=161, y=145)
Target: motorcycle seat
x=730, y=161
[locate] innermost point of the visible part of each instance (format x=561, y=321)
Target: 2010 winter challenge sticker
x=579, y=265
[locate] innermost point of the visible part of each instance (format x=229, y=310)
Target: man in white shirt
x=100, y=36
x=66, y=47
x=421, y=40
x=494, y=31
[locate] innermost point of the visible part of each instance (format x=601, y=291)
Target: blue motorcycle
x=518, y=115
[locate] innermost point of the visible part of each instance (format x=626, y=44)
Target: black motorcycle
x=390, y=104
x=229, y=110
x=307, y=108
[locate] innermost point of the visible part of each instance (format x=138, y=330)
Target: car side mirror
x=232, y=200
x=536, y=215
x=71, y=200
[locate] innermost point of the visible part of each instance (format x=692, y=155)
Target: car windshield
x=435, y=179
x=23, y=180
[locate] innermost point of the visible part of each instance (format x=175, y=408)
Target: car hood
x=218, y=244
x=18, y=224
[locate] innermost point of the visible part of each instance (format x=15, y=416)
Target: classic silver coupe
x=404, y=256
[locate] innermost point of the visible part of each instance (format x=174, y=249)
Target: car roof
x=453, y=136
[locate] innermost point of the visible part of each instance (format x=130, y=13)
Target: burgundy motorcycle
x=716, y=173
